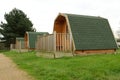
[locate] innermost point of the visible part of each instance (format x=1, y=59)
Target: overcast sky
x=42, y=13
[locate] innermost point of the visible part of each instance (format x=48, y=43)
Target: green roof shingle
x=90, y=33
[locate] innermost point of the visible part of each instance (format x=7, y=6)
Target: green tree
x=16, y=25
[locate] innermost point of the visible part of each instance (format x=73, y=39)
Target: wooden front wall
x=60, y=25
x=63, y=37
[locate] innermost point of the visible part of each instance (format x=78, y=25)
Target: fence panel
x=63, y=42
x=45, y=43
x=54, y=42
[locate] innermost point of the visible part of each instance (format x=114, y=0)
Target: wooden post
x=60, y=41
x=11, y=46
x=54, y=34
x=20, y=46
x=71, y=45
x=64, y=46
x=65, y=41
x=57, y=42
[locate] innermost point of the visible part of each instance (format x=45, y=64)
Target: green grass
x=94, y=67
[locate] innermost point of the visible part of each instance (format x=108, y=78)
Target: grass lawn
x=94, y=67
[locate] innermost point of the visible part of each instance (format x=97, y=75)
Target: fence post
x=20, y=46
x=54, y=34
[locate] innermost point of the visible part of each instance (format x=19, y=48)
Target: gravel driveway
x=9, y=70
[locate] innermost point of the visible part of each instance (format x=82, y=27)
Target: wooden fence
x=12, y=46
x=19, y=46
x=54, y=42
x=45, y=43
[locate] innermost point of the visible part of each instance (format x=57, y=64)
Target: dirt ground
x=9, y=70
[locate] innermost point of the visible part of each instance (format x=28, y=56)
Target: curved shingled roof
x=91, y=33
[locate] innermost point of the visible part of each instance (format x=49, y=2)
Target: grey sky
x=43, y=12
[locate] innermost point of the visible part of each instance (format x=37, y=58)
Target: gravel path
x=9, y=70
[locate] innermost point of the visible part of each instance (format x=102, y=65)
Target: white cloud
x=43, y=12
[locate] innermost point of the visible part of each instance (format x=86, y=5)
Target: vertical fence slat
x=54, y=41
x=65, y=41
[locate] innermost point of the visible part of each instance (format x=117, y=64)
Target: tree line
x=17, y=23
